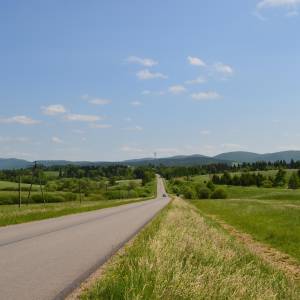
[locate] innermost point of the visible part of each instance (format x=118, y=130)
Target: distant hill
x=242, y=156
x=183, y=160
x=13, y=163
x=239, y=156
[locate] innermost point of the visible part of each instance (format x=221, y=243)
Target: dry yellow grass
x=185, y=256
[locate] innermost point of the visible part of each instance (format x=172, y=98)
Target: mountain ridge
x=179, y=160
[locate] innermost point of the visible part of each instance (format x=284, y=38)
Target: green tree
x=202, y=192
x=294, y=182
x=280, y=179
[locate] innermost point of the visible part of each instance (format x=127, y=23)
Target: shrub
x=96, y=197
x=69, y=197
x=294, y=182
x=49, y=198
x=203, y=193
x=219, y=194
x=210, y=185
x=267, y=183
x=8, y=198
x=188, y=193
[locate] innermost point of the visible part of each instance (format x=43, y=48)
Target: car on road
x=164, y=195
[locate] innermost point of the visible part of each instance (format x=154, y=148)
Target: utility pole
x=20, y=196
x=79, y=184
x=42, y=192
x=32, y=176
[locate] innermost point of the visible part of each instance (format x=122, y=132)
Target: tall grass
x=276, y=223
x=181, y=255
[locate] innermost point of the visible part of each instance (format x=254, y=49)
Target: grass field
x=275, y=222
x=11, y=214
x=182, y=255
x=239, y=192
x=289, y=172
x=63, y=202
x=6, y=185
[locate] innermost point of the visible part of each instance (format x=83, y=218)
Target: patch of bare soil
x=274, y=257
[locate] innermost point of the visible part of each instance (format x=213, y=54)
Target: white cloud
x=100, y=101
x=291, y=147
x=134, y=128
x=54, y=109
x=167, y=151
x=177, y=89
x=136, y=103
x=131, y=149
x=100, y=126
x=205, y=132
x=146, y=75
x=7, y=139
x=154, y=93
x=232, y=146
x=196, y=61
x=78, y=131
x=203, y=96
x=56, y=140
x=23, y=120
x=223, y=69
x=292, y=13
x=128, y=119
x=85, y=97
x=9, y=154
x=83, y=118
x=147, y=62
x=146, y=92
x=278, y=3
x=198, y=80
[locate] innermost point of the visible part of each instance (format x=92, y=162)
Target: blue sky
x=112, y=80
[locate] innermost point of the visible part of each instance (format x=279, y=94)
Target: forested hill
x=250, y=157
x=188, y=160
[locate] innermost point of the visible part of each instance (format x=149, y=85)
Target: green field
x=11, y=214
x=289, y=172
x=182, y=255
x=8, y=185
x=275, y=222
x=66, y=200
x=239, y=192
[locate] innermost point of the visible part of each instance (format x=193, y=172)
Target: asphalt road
x=48, y=259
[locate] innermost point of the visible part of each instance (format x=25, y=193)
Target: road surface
x=48, y=259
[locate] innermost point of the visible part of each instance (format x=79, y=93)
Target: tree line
x=189, y=171
x=258, y=179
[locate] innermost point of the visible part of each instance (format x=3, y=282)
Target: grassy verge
x=11, y=214
x=273, y=222
x=182, y=255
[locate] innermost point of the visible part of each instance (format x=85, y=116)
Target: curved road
x=48, y=259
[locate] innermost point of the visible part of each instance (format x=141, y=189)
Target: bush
x=49, y=198
x=210, y=186
x=203, y=193
x=267, y=183
x=96, y=197
x=294, y=182
x=219, y=194
x=8, y=198
x=188, y=193
x=69, y=196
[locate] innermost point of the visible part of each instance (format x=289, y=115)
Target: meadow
x=273, y=222
x=11, y=214
x=269, y=215
x=63, y=196
x=273, y=172
x=185, y=255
